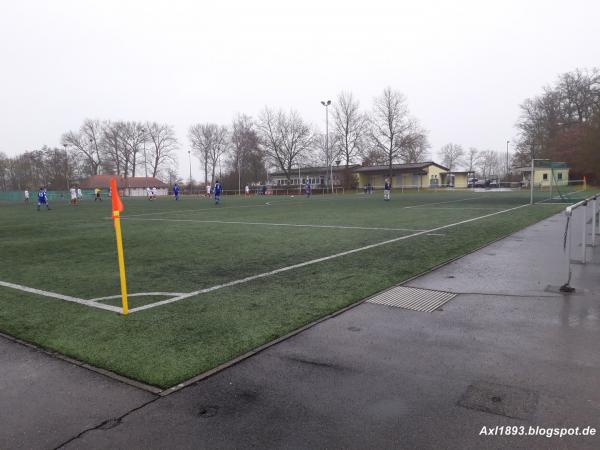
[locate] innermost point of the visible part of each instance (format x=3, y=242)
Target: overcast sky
x=463, y=65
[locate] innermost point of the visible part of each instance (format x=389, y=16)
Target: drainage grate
x=413, y=298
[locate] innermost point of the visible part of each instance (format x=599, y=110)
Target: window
x=560, y=175
x=545, y=177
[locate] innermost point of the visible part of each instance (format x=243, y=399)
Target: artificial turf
x=193, y=244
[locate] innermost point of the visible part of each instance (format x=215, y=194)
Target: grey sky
x=464, y=65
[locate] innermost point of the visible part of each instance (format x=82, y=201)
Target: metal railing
x=583, y=206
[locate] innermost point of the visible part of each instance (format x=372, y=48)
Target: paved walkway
x=508, y=350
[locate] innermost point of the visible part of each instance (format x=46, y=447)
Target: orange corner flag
x=117, y=205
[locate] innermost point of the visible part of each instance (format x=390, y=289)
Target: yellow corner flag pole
x=117, y=207
x=117, y=220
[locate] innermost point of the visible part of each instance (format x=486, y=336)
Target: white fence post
x=594, y=222
x=584, y=236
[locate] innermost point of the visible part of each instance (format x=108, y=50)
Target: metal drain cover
x=413, y=298
x=508, y=401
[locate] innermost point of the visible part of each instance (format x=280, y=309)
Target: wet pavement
x=508, y=350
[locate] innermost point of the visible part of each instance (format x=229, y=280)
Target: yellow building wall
x=460, y=180
x=538, y=177
x=432, y=170
x=375, y=180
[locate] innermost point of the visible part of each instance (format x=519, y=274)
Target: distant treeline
x=562, y=124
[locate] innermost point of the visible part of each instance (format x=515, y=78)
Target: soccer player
x=247, y=190
x=79, y=193
x=217, y=192
x=26, y=193
x=152, y=193
x=42, y=199
x=73, y=193
x=208, y=190
x=387, y=187
x=307, y=189
x=176, y=191
x=97, y=192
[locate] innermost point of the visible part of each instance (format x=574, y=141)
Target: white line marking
x=67, y=298
x=449, y=201
x=457, y=208
x=276, y=224
x=139, y=294
x=315, y=261
x=214, y=208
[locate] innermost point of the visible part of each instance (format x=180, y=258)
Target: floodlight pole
x=326, y=105
x=66, y=165
x=190, y=159
x=507, y=166
x=145, y=158
x=239, y=176
x=531, y=181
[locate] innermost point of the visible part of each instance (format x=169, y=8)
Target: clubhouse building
x=409, y=176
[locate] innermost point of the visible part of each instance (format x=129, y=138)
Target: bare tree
x=285, y=138
x=163, y=144
x=133, y=137
x=472, y=159
x=415, y=145
x=219, y=148
x=350, y=127
x=86, y=142
x=324, y=156
x=4, y=171
x=111, y=143
x=452, y=155
x=489, y=163
x=199, y=137
x=244, y=144
x=392, y=131
x=209, y=142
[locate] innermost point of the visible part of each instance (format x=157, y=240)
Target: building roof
x=544, y=165
x=103, y=181
x=410, y=167
x=315, y=170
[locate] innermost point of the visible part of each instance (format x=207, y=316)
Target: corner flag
x=117, y=208
x=116, y=199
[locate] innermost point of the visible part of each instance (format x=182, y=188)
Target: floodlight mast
x=143, y=130
x=190, y=158
x=326, y=105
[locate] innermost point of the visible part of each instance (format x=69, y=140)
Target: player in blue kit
x=217, y=192
x=176, y=191
x=42, y=199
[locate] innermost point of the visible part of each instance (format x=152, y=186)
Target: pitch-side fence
x=587, y=225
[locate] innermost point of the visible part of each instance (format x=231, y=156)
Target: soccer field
x=209, y=283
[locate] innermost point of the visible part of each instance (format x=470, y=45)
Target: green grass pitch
x=190, y=245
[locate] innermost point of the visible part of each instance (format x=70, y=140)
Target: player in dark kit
x=217, y=192
x=42, y=199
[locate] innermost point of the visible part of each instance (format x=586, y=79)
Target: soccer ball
x=292, y=196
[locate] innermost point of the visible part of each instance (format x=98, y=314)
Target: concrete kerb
x=115, y=376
